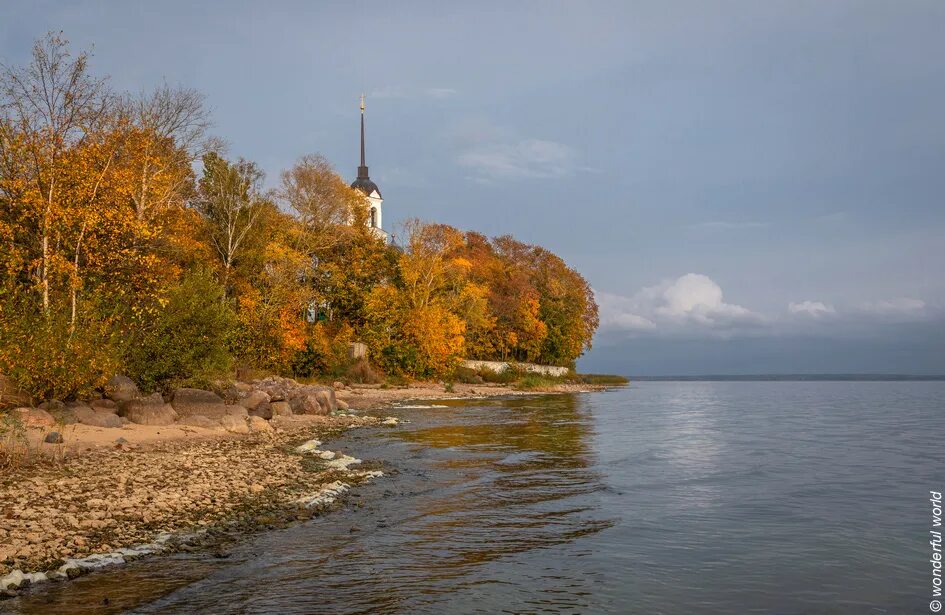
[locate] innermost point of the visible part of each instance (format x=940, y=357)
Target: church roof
x=365, y=185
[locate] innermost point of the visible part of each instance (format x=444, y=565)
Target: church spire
x=362, y=170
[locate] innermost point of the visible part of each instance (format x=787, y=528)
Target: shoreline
x=177, y=487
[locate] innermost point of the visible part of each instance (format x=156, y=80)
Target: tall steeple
x=362, y=170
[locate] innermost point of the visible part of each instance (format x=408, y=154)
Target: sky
x=749, y=187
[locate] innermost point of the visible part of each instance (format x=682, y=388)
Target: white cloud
x=814, y=309
x=527, y=158
x=690, y=303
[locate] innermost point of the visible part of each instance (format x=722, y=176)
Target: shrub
x=47, y=356
x=534, y=381
x=186, y=343
x=602, y=379
x=361, y=372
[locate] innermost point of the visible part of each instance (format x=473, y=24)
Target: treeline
x=131, y=244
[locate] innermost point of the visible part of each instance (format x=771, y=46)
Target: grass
x=600, y=379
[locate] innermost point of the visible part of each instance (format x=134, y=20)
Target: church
x=372, y=194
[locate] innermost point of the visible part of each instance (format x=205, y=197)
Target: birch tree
x=231, y=200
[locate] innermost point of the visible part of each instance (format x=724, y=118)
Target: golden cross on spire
x=362, y=103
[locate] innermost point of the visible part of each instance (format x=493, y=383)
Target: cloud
x=688, y=304
x=440, y=92
x=814, y=309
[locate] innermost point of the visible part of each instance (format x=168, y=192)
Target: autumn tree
x=231, y=199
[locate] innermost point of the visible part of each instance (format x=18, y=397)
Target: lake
x=662, y=497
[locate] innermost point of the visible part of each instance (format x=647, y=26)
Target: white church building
x=372, y=194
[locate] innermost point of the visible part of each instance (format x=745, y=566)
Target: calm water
x=665, y=497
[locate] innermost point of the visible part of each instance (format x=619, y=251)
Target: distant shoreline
x=792, y=378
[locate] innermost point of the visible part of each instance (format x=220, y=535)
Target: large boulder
x=188, y=402
x=263, y=410
x=254, y=400
x=311, y=405
x=121, y=388
x=34, y=417
x=197, y=420
x=234, y=424
x=280, y=408
x=103, y=404
x=96, y=418
x=147, y=411
x=259, y=424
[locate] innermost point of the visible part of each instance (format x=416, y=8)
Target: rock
x=254, y=399
x=147, y=412
x=257, y=423
x=35, y=417
x=196, y=401
x=326, y=398
x=342, y=405
x=310, y=405
x=52, y=405
x=234, y=424
x=263, y=410
x=118, y=441
x=280, y=408
x=243, y=387
x=338, y=385
x=239, y=411
x=121, y=388
x=97, y=418
x=198, y=420
x=103, y=404
x=53, y=437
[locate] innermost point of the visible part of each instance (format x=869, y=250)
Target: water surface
x=664, y=497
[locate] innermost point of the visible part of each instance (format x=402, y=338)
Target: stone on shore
x=103, y=404
x=263, y=410
x=96, y=418
x=312, y=405
x=198, y=420
x=53, y=437
x=238, y=411
x=280, y=408
x=342, y=405
x=195, y=401
x=121, y=388
x=259, y=424
x=234, y=424
x=35, y=417
x=148, y=411
x=254, y=400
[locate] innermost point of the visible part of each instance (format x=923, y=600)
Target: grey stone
x=263, y=410
x=53, y=437
x=280, y=408
x=103, y=404
x=259, y=424
x=198, y=420
x=254, y=399
x=148, y=412
x=121, y=388
x=196, y=401
x=234, y=424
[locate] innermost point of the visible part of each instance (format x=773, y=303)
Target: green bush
x=186, y=343
x=48, y=356
x=534, y=381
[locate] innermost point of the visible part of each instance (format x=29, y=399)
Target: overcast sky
x=750, y=187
